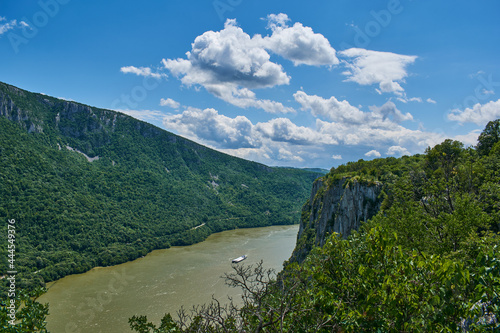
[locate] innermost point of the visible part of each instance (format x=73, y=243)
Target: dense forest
x=429, y=261
x=90, y=187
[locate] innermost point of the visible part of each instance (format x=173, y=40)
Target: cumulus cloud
x=377, y=134
x=245, y=98
x=386, y=69
x=210, y=126
x=373, y=153
x=478, y=114
x=267, y=142
x=430, y=100
x=345, y=113
x=280, y=139
x=284, y=130
x=170, y=103
x=141, y=71
x=222, y=132
x=390, y=111
x=230, y=63
x=298, y=43
x=275, y=21
x=331, y=108
x=397, y=150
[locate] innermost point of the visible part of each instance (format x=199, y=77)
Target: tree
x=488, y=138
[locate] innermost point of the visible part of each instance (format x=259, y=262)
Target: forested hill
x=91, y=187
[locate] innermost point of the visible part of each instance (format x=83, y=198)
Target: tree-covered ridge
x=429, y=261
x=91, y=187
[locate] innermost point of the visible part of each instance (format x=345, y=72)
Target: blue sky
x=313, y=84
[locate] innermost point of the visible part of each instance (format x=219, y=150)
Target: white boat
x=239, y=259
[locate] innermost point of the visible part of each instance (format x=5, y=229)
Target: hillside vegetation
x=429, y=261
x=90, y=187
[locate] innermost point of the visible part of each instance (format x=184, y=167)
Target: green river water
x=103, y=299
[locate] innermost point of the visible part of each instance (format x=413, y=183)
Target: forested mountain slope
x=91, y=187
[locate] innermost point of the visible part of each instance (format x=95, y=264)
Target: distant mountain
x=318, y=170
x=92, y=187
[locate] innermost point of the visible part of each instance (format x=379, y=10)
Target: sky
x=284, y=83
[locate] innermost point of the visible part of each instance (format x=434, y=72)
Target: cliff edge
x=338, y=206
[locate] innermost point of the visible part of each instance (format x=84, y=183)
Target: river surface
x=103, y=299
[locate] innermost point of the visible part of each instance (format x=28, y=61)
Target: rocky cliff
x=338, y=206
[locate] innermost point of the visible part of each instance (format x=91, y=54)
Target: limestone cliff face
x=338, y=207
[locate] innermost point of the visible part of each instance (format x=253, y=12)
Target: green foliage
x=489, y=137
x=368, y=283
x=29, y=315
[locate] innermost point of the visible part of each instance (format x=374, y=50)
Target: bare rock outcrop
x=335, y=207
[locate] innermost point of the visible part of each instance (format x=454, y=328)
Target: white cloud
x=390, y=111
x=477, y=74
x=275, y=21
x=228, y=56
x=298, y=43
x=281, y=140
x=373, y=153
x=378, y=134
x=397, y=150
x=144, y=115
x=469, y=139
x=284, y=130
x=263, y=154
x=141, y=71
x=331, y=108
x=430, y=100
x=287, y=155
x=10, y=25
x=345, y=113
x=230, y=63
x=386, y=69
x=245, y=98
x=266, y=142
x=405, y=99
x=211, y=127
x=478, y=114
x=170, y=103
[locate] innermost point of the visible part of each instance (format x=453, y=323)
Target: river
x=103, y=299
